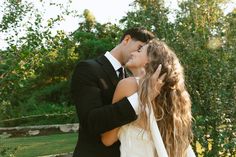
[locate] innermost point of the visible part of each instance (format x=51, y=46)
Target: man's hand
x=156, y=82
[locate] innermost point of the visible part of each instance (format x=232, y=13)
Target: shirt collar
x=114, y=62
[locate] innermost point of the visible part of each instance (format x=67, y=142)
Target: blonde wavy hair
x=172, y=107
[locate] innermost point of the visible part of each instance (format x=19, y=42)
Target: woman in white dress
x=164, y=99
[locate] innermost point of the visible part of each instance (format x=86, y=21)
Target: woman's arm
x=125, y=88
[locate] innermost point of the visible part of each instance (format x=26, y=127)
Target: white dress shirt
x=133, y=99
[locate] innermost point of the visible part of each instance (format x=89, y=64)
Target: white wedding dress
x=138, y=142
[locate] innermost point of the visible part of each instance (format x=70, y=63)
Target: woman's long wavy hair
x=172, y=107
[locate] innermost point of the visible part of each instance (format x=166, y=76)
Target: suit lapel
x=108, y=69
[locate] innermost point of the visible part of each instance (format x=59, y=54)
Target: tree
x=33, y=60
x=93, y=39
x=152, y=15
x=200, y=41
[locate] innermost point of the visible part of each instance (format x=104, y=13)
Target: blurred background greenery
x=35, y=69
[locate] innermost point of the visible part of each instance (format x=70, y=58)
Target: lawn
x=41, y=145
x=46, y=145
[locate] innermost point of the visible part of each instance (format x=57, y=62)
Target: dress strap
x=156, y=136
x=137, y=79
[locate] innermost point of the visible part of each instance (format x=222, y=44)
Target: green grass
x=41, y=145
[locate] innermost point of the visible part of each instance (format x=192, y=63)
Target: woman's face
x=138, y=58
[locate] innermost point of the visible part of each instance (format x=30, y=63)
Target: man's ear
x=126, y=39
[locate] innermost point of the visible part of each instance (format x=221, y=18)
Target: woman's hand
x=156, y=83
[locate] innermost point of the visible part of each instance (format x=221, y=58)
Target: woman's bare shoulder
x=125, y=88
x=129, y=81
x=128, y=85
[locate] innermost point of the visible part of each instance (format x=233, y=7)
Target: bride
x=163, y=127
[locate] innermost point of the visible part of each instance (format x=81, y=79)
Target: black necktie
x=121, y=73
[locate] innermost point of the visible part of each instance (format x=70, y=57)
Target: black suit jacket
x=93, y=84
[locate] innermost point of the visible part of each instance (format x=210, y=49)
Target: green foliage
x=6, y=151
x=48, y=105
x=96, y=40
x=13, y=13
x=209, y=65
x=36, y=66
x=212, y=100
x=153, y=15
x=89, y=46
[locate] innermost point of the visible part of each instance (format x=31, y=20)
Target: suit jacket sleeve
x=93, y=115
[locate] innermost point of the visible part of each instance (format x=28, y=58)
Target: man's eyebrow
x=139, y=49
x=141, y=46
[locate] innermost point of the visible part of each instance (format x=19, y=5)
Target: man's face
x=131, y=46
x=138, y=58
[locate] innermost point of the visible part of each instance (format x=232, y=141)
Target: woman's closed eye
x=140, y=49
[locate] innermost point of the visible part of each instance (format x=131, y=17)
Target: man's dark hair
x=139, y=34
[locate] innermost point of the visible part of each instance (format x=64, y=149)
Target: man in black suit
x=92, y=87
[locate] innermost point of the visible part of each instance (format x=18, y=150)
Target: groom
x=92, y=87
